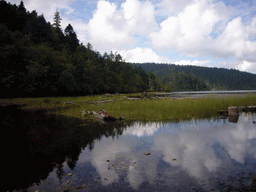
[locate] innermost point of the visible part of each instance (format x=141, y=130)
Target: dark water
x=42, y=151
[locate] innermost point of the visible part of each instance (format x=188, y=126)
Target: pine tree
x=71, y=38
x=57, y=20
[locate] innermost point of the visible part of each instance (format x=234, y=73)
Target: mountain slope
x=216, y=78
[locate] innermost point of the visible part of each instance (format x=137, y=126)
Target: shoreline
x=150, y=108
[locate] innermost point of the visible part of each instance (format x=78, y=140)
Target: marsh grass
x=149, y=110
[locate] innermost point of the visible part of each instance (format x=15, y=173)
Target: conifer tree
x=57, y=20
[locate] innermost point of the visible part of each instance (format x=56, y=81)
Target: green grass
x=151, y=110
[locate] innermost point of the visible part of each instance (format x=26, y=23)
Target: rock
x=223, y=113
x=69, y=102
x=251, y=108
x=131, y=98
x=108, y=95
x=94, y=113
x=233, y=111
x=144, y=94
x=83, y=113
x=106, y=116
x=146, y=153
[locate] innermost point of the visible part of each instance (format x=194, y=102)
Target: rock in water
x=233, y=111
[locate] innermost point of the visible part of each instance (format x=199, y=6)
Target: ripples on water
x=198, y=155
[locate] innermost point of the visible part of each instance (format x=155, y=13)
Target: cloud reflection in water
x=202, y=149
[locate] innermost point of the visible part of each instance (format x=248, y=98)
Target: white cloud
x=202, y=29
x=247, y=66
x=113, y=28
x=48, y=8
x=240, y=65
x=167, y=7
x=142, y=55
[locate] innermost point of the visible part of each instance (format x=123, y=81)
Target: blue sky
x=211, y=33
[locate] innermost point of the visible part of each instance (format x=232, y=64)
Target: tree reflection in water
x=36, y=143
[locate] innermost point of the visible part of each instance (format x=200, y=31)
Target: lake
x=204, y=93
x=55, y=153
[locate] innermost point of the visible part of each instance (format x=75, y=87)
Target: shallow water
x=197, y=155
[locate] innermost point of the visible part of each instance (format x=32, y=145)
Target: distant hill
x=215, y=78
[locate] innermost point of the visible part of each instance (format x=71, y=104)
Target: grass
x=151, y=110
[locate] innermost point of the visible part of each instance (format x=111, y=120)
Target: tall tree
x=71, y=38
x=57, y=20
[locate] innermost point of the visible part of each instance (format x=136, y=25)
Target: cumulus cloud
x=193, y=32
x=112, y=28
x=142, y=55
x=240, y=65
x=167, y=7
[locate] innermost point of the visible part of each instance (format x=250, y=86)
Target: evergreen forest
x=172, y=77
x=40, y=59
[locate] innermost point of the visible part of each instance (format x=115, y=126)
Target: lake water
x=204, y=93
x=52, y=153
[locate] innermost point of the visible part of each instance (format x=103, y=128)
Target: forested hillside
x=172, y=77
x=40, y=59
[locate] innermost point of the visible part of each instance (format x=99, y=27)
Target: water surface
x=205, y=93
x=196, y=155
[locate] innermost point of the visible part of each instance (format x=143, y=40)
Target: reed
x=150, y=110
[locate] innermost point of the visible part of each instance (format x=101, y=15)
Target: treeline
x=180, y=78
x=40, y=59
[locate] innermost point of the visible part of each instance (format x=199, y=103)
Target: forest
x=192, y=78
x=40, y=59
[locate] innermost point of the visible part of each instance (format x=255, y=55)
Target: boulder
x=144, y=94
x=233, y=111
x=106, y=116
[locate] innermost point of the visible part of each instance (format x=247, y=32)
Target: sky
x=211, y=33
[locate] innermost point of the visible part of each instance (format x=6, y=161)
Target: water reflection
x=202, y=149
x=198, y=154
x=37, y=144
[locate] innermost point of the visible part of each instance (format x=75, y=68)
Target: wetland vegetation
x=133, y=108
